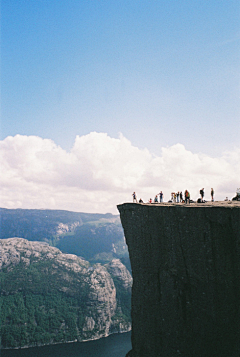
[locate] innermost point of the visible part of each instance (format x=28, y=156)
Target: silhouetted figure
x=134, y=197
x=202, y=193
x=212, y=194
x=181, y=197
x=160, y=197
x=140, y=201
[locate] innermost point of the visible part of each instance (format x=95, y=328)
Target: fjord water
x=116, y=345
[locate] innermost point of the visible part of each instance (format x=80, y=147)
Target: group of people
x=150, y=200
x=202, y=195
x=176, y=197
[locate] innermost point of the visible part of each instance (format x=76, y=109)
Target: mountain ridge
x=95, y=237
x=51, y=297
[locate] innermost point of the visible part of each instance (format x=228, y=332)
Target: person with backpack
x=202, y=193
x=187, y=197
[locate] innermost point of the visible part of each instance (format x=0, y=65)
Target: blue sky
x=161, y=73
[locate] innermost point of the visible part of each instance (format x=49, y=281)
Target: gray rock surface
x=16, y=250
x=186, y=278
x=101, y=303
x=119, y=271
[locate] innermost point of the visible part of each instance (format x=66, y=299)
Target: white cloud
x=100, y=172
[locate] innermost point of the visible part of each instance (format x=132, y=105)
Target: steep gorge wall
x=186, y=279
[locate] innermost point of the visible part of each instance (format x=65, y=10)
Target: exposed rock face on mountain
x=47, y=296
x=186, y=279
x=96, y=237
x=119, y=272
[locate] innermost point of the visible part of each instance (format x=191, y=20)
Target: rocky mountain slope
x=95, y=237
x=51, y=297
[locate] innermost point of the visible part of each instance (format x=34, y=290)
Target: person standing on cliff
x=178, y=194
x=212, y=194
x=187, y=197
x=181, y=197
x=202, y=193
x=160, y=197
x=134, y=197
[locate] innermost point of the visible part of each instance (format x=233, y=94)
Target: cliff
x=186, y=278
x=49, y=297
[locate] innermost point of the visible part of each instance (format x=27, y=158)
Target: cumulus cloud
x=100, y=172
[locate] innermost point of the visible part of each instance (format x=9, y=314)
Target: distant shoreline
x=61, y=343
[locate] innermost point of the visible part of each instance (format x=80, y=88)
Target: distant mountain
x=95, y=237
x=46, y=225
x=50, y=297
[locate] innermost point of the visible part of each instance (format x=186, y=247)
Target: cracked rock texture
x=186, y=279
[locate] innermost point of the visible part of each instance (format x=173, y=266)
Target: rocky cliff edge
x=186, y=278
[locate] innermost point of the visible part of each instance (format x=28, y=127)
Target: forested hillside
x=79, y=292
x=48, y=297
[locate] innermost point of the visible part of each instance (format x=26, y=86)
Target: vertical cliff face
x=186, y=279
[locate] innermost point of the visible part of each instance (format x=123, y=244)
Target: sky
x=103, y=98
